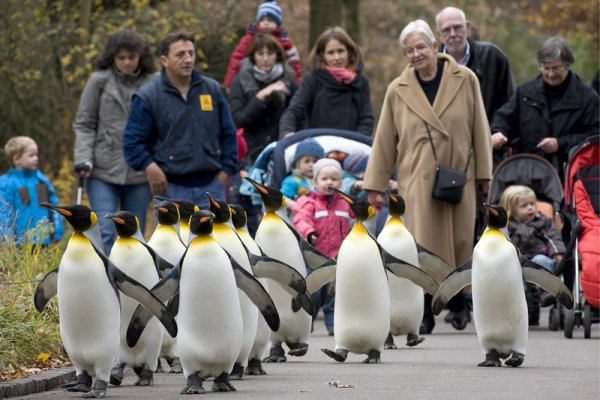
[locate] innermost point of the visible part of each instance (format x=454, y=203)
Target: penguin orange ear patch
x=64, y=212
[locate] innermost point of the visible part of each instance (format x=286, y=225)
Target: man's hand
x=156, y=179
x=83, y=169
x=498, y=140
x=549, y=145
x=377, y=199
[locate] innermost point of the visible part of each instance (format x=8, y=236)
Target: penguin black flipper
x=167, y=289
x=163, y=267
x=46, y=290
x=432, y=264
x=454, y=283
x=404, y=269
x=284, y=274
x=139, y=293
x=321, y=277
x=540, y=276
x=256, y=293
x=312, y=257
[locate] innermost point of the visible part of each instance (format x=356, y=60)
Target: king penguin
x=165, y=240
x=280, y=241
x=496, y=273
x=87, y=284
x=362, y=297
x=406, y=298
x=186, y=209
x=136, y=259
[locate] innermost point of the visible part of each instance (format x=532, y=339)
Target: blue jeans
x=197, y=194
x=107, y=198
x=544, y=261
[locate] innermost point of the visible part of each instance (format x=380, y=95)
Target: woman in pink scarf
x=335, y=94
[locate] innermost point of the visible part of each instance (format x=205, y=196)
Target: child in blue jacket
x=22, y=189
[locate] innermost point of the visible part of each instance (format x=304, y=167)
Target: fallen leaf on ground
x=340, y=385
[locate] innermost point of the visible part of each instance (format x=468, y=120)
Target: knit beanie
x=270, y=9
x=325, y=162
x=356, y=162
x=308, y=147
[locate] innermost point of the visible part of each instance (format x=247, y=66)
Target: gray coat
x=99, y=125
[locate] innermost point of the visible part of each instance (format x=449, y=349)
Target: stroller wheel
x=569, y=323
x=554, y=319
x=587, y=321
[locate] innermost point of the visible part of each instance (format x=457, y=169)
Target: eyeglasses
x=455, y=27
x=420, y=48
x=557, y=69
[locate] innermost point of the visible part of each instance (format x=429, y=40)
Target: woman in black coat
x=336, y=93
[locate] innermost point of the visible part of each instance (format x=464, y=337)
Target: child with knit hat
x=324, y=219
x=355, y=166
x=300, y=181
x=269, y=19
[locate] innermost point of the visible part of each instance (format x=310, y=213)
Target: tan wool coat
x=458, y=123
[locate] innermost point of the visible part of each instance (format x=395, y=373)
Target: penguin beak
x=491, y=209
x=213, y=202
x=258, y=186
x=344, y=196
x=59, y=210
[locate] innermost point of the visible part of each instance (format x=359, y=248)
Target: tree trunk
x=323, y=14
x=352, y=19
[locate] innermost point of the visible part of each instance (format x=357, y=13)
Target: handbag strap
x=437, y=164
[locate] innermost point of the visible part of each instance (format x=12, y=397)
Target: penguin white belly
x=406, y=298
x=278, y=242
x=132, y=257
x=499, y=306
x=88, y=308
x=209, y=338
x=228, y=239
x=362, y=299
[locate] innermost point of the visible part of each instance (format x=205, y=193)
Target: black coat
x=260, y=119
x=527, y=119
x=323, y=102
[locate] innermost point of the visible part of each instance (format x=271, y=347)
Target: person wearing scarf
x=335, y=94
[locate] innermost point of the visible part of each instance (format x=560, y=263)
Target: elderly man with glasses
x=550, y=114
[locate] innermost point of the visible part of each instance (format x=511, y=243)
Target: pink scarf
x=342, y=75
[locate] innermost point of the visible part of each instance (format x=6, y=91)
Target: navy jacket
x=191, y=140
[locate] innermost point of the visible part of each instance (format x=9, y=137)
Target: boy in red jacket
x=268, y=20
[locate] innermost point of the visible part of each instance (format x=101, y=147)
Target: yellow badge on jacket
x=206, y=102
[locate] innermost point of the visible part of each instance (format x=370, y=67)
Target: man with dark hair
x=485, y=59
x=180, y=131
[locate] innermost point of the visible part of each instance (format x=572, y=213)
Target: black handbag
x=449, y=183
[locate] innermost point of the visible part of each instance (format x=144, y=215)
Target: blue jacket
x=21, y=193
x=191, y=140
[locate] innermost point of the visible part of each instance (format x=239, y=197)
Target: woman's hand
x=278, y=86
x=377, y=199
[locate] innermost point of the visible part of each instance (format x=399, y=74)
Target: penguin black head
x=360, y=207
x=272, y=198
x=201, y=222
x=219, y=208
x=238, y=216
x=168, y=212
x=497, y=217
x=396, y=205
x=186, y=207
x=80, y=217
x=126, y=223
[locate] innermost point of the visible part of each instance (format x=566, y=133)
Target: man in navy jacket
x=180, y=131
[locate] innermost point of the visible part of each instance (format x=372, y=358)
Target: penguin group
x=217, y=303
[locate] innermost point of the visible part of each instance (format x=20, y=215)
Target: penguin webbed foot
x=194, y=385
x=83, y=383
x=175, y=365
x=339, y=355
x=98, y=392
x=492, y=359
x=413, y=339
x=389, y=343
x=255, y=367
x=276, y=354
x=297, y=349
x=222, y=384
x=237, y=373
x=145, y=377
x=374, y=357
x=116, y=375
x=515, y=359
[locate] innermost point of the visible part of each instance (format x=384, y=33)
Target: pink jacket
x=329, y=220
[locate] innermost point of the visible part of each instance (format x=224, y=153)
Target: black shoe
x=460, y=320
x=426, y=327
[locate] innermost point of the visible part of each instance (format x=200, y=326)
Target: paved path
x=442, y=367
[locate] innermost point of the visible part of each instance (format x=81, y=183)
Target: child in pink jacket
x=324, y=219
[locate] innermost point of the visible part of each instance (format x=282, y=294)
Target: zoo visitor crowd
x=179, y=134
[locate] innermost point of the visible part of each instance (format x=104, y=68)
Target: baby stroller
x=273, y=164
x=582, y=211
x=537, y=173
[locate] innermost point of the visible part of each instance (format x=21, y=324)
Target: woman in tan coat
x=433, y=93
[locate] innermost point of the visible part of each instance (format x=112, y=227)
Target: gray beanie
x=325, y=162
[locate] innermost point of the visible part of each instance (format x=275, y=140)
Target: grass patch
x=29, y=340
